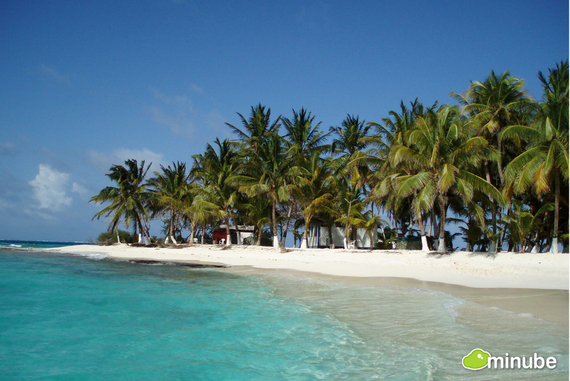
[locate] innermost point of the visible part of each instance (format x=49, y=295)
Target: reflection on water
x=71, y=317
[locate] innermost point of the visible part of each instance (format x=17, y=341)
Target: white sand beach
x=529, y=283
x=478, y=270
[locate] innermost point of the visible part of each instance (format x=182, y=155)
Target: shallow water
x=34, y=245
x=68, y=317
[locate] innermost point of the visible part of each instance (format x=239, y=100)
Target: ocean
x=31, y=245
x=68, y=317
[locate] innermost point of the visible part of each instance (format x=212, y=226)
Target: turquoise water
x=27, y=245
x=67, y=317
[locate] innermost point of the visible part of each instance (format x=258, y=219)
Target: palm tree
x=353, y=171
x=544, y=165
x=493, y=105
x=129, y=199
x=444, y=156
x=369, y=222
x=386, y=177
x=520, y=225
x=352, y=138
x=216, y=168
x=170, y=189
x=269, y=176
x=313, y=190
x=256, y=129
x=254, y=138
x=303, y=137
x=349, y=204
x=397, y=124
x=258, y=212
x=200, y=209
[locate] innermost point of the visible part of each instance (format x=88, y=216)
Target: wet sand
x=550, y=305
x=520, y=283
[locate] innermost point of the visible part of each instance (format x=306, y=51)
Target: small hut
x=318, y=237
x=238, y=233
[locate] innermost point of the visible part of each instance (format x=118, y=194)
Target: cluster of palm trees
x=496, y=164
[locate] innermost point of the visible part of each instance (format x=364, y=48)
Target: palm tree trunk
x=499, y=210
x=425, y=246
x=142, y=231
x=228, y=234
x=287, y=225
x=171, y=227
x=441, y=246
x=493, y=247
x=433, y=225
x=513, y=246
x=259, y=231
x=304, y=242
x=554, y=244
x=145, y=230
x=192, y=230
x=137, y=222
x=274, y=224
x=500, y=164
x=536, y=247
x=347, y=234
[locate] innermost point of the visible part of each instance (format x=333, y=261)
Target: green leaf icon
x=476, y=360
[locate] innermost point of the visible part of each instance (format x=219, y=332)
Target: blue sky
x=89, y=84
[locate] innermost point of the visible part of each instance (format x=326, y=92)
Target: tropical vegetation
x=495, y=164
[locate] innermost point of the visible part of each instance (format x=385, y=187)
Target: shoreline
x=519, y=283
x=546, y=304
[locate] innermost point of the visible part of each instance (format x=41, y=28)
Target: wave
x=94, y=256
x=22, y=244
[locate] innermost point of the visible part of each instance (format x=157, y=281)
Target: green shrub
x=386, y=237
x=249, y=241
x=109, y=238
x=409, y=243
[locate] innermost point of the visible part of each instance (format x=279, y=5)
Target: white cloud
x=175, y=112
x=7, y=149
x=103, y=160
x=182, y=101
x=49, y=189
x=217, y=124
x=184, y=120
x=53, y=74
x=35, y=213
x=178, y=123
x=6, y=205
x=197, y=88
x=78, y=188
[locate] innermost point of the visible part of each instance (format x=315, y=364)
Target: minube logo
x=479, y=359
x=476, y=360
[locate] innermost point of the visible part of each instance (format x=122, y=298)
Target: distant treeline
x=496, y=164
